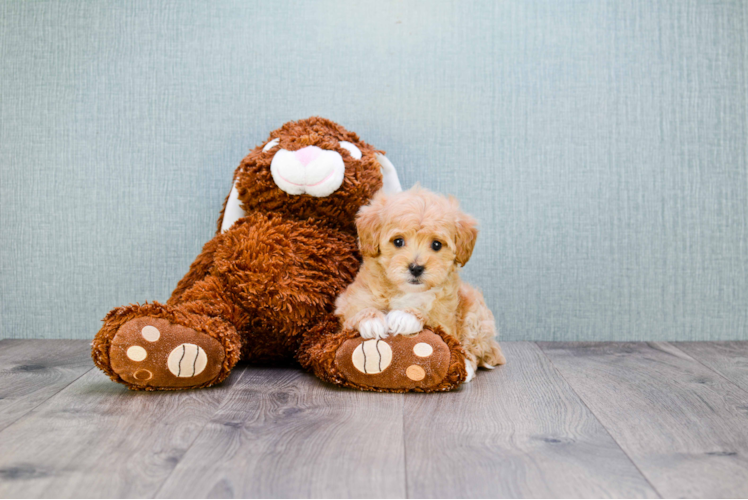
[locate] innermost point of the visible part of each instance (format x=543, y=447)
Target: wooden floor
x=559, y=420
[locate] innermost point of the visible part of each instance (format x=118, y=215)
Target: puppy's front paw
x=470, y=371
x=403, y=323
x=372, y=328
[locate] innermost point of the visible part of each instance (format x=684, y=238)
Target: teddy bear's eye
x=355, y=152
x=436, y=245
x=398, y=242
x=270, y=145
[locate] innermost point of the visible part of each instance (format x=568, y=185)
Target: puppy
x=413, y=244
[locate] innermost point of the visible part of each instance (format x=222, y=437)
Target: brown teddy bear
x=263, y=289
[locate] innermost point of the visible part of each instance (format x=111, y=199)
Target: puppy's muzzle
x=416, y=270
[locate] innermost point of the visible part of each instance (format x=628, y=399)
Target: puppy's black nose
x=415, y=270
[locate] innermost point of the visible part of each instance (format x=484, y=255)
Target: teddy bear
x=263, y=289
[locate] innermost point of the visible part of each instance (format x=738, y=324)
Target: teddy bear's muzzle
x=310, y=170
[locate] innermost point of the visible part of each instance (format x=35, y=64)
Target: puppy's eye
x=398, y=242
x=436, y=245
x=355, y=152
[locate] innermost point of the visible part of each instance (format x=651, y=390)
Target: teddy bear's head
x=312, y=168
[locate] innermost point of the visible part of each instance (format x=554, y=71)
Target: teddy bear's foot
x=421, y=362
x=153, y=353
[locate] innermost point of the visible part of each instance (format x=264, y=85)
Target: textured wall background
x=603, y=145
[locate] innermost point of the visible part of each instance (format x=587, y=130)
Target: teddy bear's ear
x=466, y=232
x=233, y=211
x=390, y=181
x=369, y=225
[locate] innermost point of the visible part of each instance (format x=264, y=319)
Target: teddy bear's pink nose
x=307, y=155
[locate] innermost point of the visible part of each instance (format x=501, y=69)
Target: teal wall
x=602, y=145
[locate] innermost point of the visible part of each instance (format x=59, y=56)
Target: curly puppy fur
x=269, y=282
x=413, y=244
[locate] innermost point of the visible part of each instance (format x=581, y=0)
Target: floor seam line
x=607, y=431
x=713, y=370
x=198, y=434
x=405, y=450
x=45, y=400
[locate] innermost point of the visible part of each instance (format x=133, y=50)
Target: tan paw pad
x=423, y=350
x=150, y=333
x=143, y=375
x=415, y=372
x=187, y=360
x=372, y=356
x=137, y=353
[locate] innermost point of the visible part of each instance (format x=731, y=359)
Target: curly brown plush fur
x=264, y=290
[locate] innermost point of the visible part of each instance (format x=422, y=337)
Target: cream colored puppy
x=413, y=244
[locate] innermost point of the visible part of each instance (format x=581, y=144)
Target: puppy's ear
x=466, y=229
x=369, y=225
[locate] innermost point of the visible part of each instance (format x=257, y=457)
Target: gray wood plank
x=15, y=352
x=32, y=371
x=516, y=431
x=283, y=433
x=98, y=439
x=684, y=426
x=729, y=359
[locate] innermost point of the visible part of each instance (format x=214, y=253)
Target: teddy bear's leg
x=199, y=269
x=425, y=362
x=189, y=344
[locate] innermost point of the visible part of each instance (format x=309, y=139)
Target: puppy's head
x=419, y=238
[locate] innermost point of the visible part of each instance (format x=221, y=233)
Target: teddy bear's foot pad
x=155, y=353
x=399, y=362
